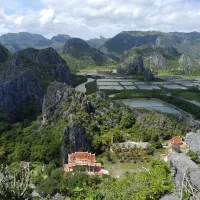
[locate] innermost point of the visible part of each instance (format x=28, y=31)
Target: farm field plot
x=191, y=84
x=107, y=83
x=111, y=87
x=148, y=87
x=130, y=87
x=127, y=83
x=114, y=80
x=173, y=86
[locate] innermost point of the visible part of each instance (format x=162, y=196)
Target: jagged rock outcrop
x=57, y=92
x=43, y=57
x=135, y=65
x=193, y=141
x=180, y=165
x=25, y=77
x=187, y=65
x=138, y=59
x=4, y=54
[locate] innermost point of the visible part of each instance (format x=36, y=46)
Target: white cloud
x=18, y=20
x=47, y=15
x=91, y=18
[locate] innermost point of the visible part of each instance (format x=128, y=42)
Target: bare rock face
x=19, y=91
x=74, y=139
x=180, y=164
x=193, y=140
x=56, y=93
x=135, y=65
x=158, y=60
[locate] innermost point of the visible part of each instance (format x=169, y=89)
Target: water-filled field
x=191, y=84
x=130, y=87
x=151, y=104
x=173, y=86
x=127, y=83
x=111, y=87
x=114, y=79
x=107, y=83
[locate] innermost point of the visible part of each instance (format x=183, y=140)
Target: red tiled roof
x=83, y=158
x=176, y=140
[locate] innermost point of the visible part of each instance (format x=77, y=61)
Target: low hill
x=80, y=50
x=145, y=57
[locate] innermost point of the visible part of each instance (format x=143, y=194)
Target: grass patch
x=91, y=87
x=77, y=80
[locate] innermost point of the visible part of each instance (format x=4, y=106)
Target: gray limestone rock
x=193, y=141
x=74, y=139
x=180, y=164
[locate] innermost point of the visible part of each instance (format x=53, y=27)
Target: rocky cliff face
x=193, y=140
x=180, y=165
x=25, y=77
x=133, y=66
x=74, y=139
x=4, y=54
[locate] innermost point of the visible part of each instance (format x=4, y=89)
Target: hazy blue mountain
x=60, y=38
x=18, y=41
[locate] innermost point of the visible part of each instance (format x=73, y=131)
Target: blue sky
x=92, y=18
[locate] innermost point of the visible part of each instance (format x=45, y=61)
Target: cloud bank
x=92, y=18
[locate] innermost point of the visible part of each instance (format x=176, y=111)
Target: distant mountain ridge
x=187, y=43
x=18, y=41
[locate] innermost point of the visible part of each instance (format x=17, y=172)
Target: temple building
x=175, y=144
x=86, y=160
